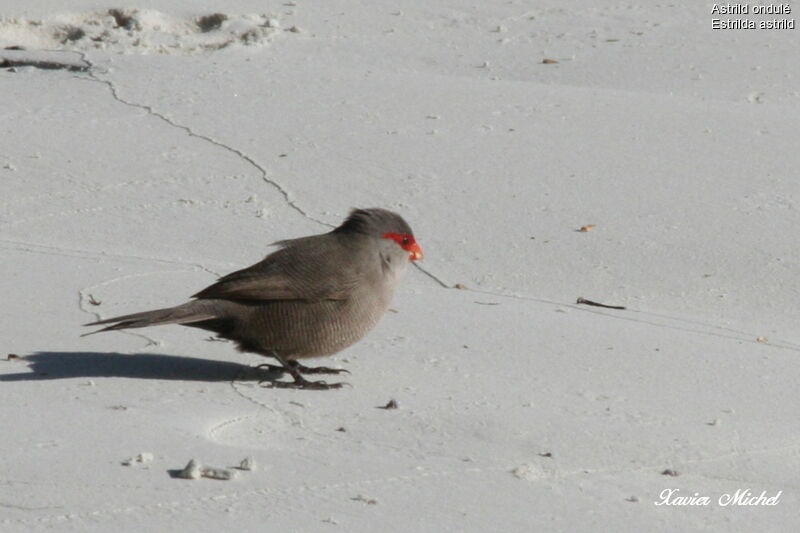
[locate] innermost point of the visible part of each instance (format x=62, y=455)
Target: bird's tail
x=188, y=313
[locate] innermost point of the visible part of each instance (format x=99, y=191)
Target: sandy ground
x=145, y=152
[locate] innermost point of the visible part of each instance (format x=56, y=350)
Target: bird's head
x=407, y=243
x=384, y=224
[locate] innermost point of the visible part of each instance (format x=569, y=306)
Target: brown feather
x=320, y=267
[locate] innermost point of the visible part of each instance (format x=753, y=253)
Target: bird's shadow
x=64, y=365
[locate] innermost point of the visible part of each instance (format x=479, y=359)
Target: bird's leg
x=271, y=368
x=299, y=381
x=316, y=369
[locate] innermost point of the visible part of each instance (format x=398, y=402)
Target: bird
x=313, y=296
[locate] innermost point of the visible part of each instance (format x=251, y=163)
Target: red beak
x=415, y=252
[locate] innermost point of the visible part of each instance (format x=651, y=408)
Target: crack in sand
x=93, y=77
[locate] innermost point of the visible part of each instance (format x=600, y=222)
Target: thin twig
x=584, y=301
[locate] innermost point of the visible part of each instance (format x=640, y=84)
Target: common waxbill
x=313, y=296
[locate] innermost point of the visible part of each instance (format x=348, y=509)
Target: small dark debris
x=283, y=155
x=549, y=61
x=119, y=407
x=72, y=33
x=124, y=20
x=546, y=454
x=670, y=472
x=93, y=301
x=368, y=501
x=632, y=499
x=14, y=47
x=249, y=37
x=487, y=303
x=11, y=357
x=584, y=301
x=393, y=310
x=459, y=286
x=392, y=404
x=215, y=339
x=296, y=403
x=341, y=429
x=45, y=65
x=211, y=22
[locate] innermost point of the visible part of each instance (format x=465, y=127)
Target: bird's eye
x=405, y=241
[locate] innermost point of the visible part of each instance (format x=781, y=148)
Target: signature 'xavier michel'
x=313, y=296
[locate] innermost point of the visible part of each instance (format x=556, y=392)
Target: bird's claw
x=301, y=384
x=320, y=370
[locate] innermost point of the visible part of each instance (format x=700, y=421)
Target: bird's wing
x=307, y=270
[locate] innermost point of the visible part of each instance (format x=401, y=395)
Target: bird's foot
x=301, y=383
x=294, y=369
x=316, y=369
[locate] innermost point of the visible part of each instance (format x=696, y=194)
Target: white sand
x=173, y=160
